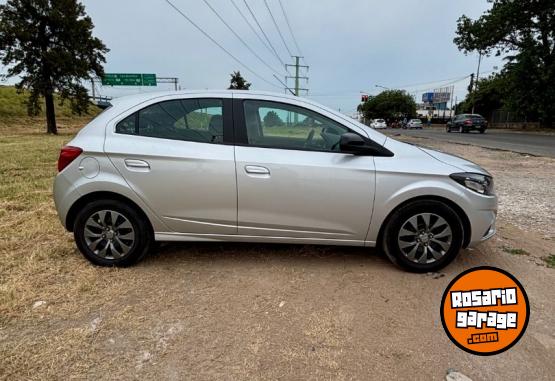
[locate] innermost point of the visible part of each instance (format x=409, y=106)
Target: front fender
x=401, y=189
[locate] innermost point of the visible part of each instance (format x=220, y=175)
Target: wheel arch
x=102, y=195
x=467, y=229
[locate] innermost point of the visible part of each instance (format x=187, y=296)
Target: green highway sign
x=126, y=79
x=149, y=79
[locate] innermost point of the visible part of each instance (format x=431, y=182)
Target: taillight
x=67, y=155
x=468, y=122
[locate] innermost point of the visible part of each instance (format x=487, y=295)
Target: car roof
x=128, y=101
x=143, y=97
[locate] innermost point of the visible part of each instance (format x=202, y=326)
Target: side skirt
x=185, y=237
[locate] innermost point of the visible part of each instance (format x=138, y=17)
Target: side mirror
x=355, y=144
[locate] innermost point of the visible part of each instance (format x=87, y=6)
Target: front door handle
x=137, y=165
x=257, y=170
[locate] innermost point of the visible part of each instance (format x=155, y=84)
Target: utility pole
x=476, y=82
x=451, y=115
x=297, y=89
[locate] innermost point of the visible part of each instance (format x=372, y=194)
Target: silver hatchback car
x=262, y=167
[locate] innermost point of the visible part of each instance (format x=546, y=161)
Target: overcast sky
x=351, y=46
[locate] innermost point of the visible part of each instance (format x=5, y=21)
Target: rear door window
x=195, y=120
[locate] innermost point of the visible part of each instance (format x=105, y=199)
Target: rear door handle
x=257, y=170
x=137, y=165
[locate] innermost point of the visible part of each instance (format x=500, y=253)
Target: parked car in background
x=378, y=124
x=467, y=123
x=249, y=166
x=414, y=123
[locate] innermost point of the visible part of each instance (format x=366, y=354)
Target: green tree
x=272, y=119
x=389, y=104
x=238, y=82
x=488, y=96
x=49, y=45
x=523, y=31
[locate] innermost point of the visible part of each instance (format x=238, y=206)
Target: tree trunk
x=50, y=113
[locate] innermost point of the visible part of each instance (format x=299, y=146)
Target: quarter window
x=197, y=120
x=279, y=125
x=128, y=125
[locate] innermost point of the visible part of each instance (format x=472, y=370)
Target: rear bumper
x=65, y=194
x=474, y=127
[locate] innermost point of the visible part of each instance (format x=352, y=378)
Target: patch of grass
x=550, y=261
x=515, y=251
x=12, y=105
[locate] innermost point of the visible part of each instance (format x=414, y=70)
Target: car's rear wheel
x=111, y=233
x=422, y=236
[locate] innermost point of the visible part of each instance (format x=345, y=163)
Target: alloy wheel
x=109, y=234
x=425, y=238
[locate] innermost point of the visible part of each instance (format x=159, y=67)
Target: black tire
x=448, y=129
x=482, y=130
x=143, y=237
x=390, y=239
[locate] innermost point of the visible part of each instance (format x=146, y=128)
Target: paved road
x=537, y=144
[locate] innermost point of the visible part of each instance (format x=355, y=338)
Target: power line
x=348, y=93
x=430, y=82
x=263, y=33
x=290, y=29
x=217, y=44
x=239, y=37
x=251, y=27
x=277, y=27
x=284, y=84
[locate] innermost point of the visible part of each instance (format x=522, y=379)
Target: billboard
x=428, y=98
x=436, y=97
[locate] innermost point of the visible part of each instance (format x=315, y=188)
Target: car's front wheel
x=422, y=236
x=111, y=233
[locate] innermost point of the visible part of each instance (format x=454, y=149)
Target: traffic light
x=364, y=98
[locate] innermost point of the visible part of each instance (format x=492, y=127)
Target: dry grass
x=214, y=311
x=38, y=261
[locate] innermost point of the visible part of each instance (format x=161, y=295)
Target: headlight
x=479, y=183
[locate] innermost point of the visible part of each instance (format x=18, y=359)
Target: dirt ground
x=251, y=311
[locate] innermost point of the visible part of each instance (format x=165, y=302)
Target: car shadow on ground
x=183, y=255
x=260, y=252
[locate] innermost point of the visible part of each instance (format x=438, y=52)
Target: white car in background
x=378, y=124
x=414, y=123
